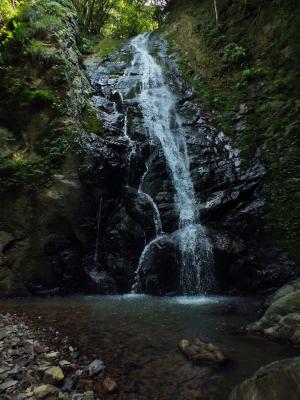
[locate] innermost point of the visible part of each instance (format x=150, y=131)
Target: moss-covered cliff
x=44, y=115
x=245, y=72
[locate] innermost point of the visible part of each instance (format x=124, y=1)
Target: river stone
x=53, y=375
x=52, y=355
x=3, y=334
x=8, y=384
x=43, y=391
x=276, y=381
x=96, y=367
x=109, y=385
x=201, y=353
x=282, y=317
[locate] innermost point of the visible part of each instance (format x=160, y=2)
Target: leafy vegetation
x=228, y=65
x=117, y=18
x=33, y=88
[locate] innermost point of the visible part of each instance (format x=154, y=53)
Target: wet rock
x=7, y=385
x=43, y=391
x=109, y=385
x=39, y=348
x=89, y=395
x=69, y=383
x=200, y=352
x=52, y=355
x=53, y=375
x=64, y=363
x=281, y=320
x=160, y=267
x=277, y=381
x=96, y=367
x=3, y=334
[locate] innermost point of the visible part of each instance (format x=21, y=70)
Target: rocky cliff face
x=86, y=228
x=231, y=200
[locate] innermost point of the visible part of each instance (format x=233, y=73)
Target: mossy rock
x=91, y=122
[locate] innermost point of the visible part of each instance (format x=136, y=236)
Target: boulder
x=281, y=319
x=200, y=352
x=276, y=381
x=159, y=266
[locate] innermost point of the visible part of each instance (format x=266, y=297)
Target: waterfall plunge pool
x=137, y=337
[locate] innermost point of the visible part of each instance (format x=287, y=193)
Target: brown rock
x=53, y=376
x=40, y=348
x=201, y=353
x=109, y=385
x=43, y=391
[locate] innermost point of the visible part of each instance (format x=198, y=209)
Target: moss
x=265, y=77
x=90, y=121
x=131, y=94
x=36, y=127
x=19, y=171
x=104, y=47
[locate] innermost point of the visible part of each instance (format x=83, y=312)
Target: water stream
x=165, y=128
x=137, y=337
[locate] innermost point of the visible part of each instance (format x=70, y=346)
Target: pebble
x=96, y=367
x=43, y=391
x=52, y=355
x=8, y=384
x=109, y=385
x=53, y=375
x=27, y=371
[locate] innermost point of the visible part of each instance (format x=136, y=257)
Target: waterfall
x=164, y=126
x=156, y=214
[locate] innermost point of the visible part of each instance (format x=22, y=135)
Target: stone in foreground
x=277, y=381
x=96, y=367
x=281, y=320
x=200, y=352
x=109, y=385
x=7, y=385
x=54, y=375
x=43, y=391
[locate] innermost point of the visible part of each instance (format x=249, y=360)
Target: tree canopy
x=121, y=18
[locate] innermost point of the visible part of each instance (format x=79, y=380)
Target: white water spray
x=164, y=126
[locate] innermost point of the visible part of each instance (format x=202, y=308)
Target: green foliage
x=85, y=170
x=86, y=45
x=105, y=46
x=36, y=131
x=18, y=172
x=128, y=18
x=91, y=122
x=131, y=94
x=117, y=18
x=8, y=9
x=45, y=97
x=233, y=53
x=265, y=78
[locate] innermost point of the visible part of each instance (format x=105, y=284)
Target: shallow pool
x=137, y=337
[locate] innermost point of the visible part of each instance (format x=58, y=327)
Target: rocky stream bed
x=38, y=363
x=153, y=348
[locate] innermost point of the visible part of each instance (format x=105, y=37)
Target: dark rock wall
x=48, y=237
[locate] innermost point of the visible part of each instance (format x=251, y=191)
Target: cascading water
x=164, y=127
x=156, y=214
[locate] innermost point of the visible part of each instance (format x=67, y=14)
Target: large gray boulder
x=279, y=380
x=282, y=317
